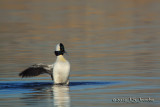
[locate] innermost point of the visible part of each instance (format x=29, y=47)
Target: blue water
x=31, y=85
x=13, y=89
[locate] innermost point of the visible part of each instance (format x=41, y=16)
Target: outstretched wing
x=36, y=70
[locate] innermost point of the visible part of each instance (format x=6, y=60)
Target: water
x=113, y=48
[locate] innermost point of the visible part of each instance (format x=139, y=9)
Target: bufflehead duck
x=59, y=71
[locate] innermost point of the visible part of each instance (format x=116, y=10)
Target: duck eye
x=61, y=47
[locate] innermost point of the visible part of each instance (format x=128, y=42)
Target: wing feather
x=36, y=70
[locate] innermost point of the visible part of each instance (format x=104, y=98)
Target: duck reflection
x=45, y=94
x=61, y=96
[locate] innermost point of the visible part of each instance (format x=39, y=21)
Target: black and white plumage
x=59, y=71
x=36, y=70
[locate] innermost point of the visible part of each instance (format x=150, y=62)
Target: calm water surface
x=113, y=48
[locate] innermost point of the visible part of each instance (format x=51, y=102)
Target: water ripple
x=28, y=85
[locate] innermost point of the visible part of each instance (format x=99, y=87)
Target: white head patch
x=57, y=47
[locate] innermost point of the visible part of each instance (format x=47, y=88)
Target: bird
x=59, y=71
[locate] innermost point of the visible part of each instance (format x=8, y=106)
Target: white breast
x=61, y=71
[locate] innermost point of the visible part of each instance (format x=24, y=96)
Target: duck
x=58, y=71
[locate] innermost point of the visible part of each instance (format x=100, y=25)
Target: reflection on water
x=61, y=96
x=107, y=42
x=36, y=93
